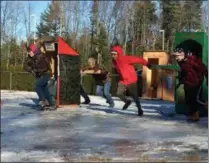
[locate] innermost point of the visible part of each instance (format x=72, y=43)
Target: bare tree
x=205, y=17
x=6, y=11
x=27, y=20
x=17, y=16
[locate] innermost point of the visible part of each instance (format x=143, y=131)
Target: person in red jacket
x=192, y=72
x=128, y=76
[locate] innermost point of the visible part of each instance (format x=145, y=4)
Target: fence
x=25, y=81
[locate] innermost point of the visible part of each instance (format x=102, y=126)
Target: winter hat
x=179, y=50
x=33, y=48
x=188, y=47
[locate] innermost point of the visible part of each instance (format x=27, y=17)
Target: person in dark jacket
x=102, y=80
x=192, y=72
x=38, y=64
x=128, y=77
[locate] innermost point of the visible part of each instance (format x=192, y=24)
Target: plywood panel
x=148, y=78
x=168, y=86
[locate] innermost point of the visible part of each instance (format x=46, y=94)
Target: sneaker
x=126, y=105
x=50, y=107
x=53, y=108
x=112, y=105
x=41, y=108
x=47, y=102
x=42, y=103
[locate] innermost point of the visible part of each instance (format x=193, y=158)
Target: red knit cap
x=33, y=48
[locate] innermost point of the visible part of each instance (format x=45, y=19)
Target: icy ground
x=98, y=133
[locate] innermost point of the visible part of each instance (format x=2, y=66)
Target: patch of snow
x=33, y=156
x=201, y=142
x=24, y=127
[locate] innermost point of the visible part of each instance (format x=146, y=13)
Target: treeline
x=90, y=26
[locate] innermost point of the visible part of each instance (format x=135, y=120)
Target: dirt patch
x=146, y=158
x=99, y=159
x=192, y=158
x=130, y=148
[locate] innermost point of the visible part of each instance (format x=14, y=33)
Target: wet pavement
x=97, y=133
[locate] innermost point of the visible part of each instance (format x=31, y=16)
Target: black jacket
x=101, y=78
x=38, y=65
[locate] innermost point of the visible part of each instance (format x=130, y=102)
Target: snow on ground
x=98, y=133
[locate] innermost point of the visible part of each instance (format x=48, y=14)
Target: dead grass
x=192, y=158
x=99, y=159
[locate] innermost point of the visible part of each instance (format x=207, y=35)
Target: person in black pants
x=191, y=74
x=84, y=95
x=128, y=77
x=132, y=88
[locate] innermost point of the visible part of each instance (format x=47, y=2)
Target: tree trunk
x=167, y=46
x=153, y=44
x=23, y=57
x=29, y=13
x=126, y=34
x=8, y=56
x=133, y=39
x=144, y=24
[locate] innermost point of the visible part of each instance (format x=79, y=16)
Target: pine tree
x=192, y=15
x=178, y=16
x=170, y=20
x=50, y=20
x=102, y=43
x=94, y=25
x=141, y=21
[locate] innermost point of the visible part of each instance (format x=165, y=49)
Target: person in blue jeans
x=102, y=80
x=104, y=90
x=38, y=64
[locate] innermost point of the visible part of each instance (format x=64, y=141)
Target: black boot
x=50, y=107
x=127, y=104
x=86, y=102
x=140, y=111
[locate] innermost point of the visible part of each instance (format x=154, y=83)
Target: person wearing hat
x=38, y=64
x=191, y=74
x=128, y=76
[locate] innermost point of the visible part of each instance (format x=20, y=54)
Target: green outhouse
x=202, y=39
